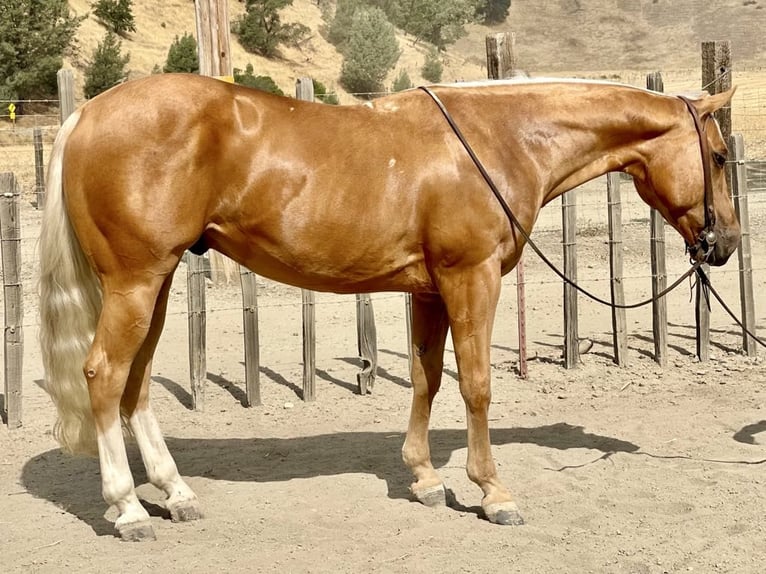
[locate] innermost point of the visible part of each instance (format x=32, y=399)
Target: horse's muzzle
x=715, y=246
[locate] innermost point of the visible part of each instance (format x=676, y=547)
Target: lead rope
x=516, y=224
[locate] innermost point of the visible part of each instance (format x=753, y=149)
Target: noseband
x=707, y=237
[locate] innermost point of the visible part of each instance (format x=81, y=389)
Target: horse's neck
x=606, y=130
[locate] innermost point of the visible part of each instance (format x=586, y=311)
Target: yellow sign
x=12, y=111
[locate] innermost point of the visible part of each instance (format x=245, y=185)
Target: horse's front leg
x=471, y=297
x=429, y=333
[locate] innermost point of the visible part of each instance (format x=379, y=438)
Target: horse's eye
x=720, y=159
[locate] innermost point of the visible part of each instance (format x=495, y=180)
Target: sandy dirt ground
x=635, y=469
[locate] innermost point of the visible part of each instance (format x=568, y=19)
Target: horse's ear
x=706, y=105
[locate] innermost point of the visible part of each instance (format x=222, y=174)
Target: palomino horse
x=376, y=197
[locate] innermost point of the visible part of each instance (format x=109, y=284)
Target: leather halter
x=707, y=237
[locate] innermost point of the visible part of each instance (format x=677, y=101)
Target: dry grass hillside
x=587, y=37
x=615, y=39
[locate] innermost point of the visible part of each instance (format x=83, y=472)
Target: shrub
x=107, y=68
x=320, y=93
x=432, y=68
x=402, y=81
x=116, y=14
x=247, y=78
x=182, y=55
x=493, y=11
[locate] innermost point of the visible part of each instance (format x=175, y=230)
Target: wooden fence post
x=195, y=283
x=739, y=193
x=252, y=340
x=716, y=77
x=10, y=239
x=367, y=343
x=501, y=63
x=569, y=224
x=309, y=345
x=619, y=323
x=304, y=90
x=39, y=169
x=65, y=81
x=659, y=269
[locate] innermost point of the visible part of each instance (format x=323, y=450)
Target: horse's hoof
x=185, y=511
x=431, y=496
x=505, y=513
x=137, y=532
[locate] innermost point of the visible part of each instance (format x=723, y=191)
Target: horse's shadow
x=74, y=483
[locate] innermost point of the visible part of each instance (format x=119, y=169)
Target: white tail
x=70, y=303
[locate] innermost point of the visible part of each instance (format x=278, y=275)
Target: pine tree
x=107, y=68
x=372, y=50
x=182, y=55
x=34, y=36
x=402, y=82
x=260, y=29
x=116, y=14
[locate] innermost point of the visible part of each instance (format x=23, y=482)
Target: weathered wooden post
x=367, y=343
x=251, y=336
x=304, y=90
x=716, y=78
x=501, y=64
x=619, y=323
x=744, y=253
x=39, y=169
x=65, y=80
x=195, y=284
x=569, y=224
x=10, y=240
x=659, y=269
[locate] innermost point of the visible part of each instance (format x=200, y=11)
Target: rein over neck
x=707, y=236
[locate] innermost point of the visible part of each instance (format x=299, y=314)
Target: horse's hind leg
x=122, y=328
x=160, y=467
x=429, y=332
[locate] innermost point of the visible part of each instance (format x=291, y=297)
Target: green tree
x=402, y=81
x=372, y=50
x=107, y=68
x=182, y=55
x=439, y=22
x=432, y=68
x=339, y=28
x=249, y=79
x=260, y=29
x=116, y=14
x=493, y=11
x=34, y=37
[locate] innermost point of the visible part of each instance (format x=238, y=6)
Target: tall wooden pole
x=501, y=64
x=304, y=90
x=213, y=38
x=716, y=78
x=214, y=49
x=659, y=269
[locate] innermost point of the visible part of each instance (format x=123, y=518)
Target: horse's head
x=693, y=197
